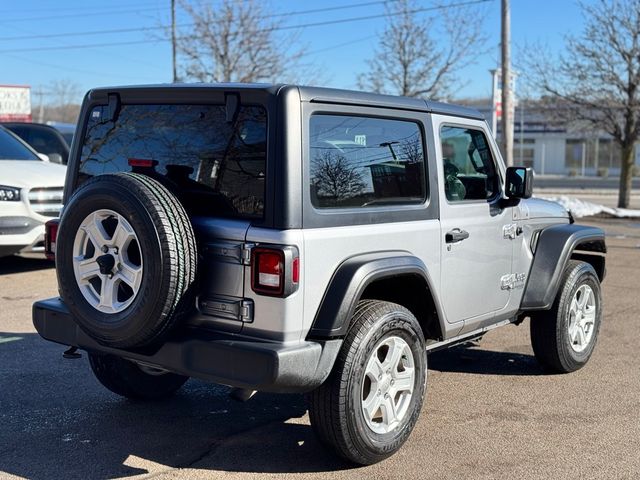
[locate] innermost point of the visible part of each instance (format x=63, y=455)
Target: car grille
x=46, y=201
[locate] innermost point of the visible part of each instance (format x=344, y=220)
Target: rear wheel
x=370, y=403
x=563, y=338
x=133, y=381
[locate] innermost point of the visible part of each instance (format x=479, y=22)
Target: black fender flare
x=553, y=250
x=350, y=280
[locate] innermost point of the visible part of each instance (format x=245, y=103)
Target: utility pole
x=40, y=93
x=173, y=39
x=507, y=120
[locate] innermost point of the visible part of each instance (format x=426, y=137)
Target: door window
x=365, y=162
x=469, y=168
x=47, y=142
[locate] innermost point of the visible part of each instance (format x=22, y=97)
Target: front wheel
x=133, y=381
x=563, y=338
x=370, y=403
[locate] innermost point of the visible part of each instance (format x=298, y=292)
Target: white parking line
x=9, y=339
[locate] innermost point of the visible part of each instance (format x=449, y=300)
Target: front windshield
x=13, y=149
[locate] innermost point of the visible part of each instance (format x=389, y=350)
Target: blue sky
x=342, y=49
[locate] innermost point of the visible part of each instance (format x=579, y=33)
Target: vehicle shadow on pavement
x=471, y=359
x=59, y=422
x=14, y=264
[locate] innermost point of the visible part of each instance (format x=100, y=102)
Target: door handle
x=456, y=235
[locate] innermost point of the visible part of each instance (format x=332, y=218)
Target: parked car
x=66, y=129
x=30, y=194
x=43, y=139
x=298, y=239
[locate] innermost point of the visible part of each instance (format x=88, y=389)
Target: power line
x=67, y=68
x=119, y=54
x=76, y=15
x=164, y=27
x=372, y=17
x=110, y=11
x=344, y=44
x=270, y=29
x=79, y=47
x=328, y=9
x=87, y=33
x=84, y=7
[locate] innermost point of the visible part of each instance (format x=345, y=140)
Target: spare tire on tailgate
x=126, y=259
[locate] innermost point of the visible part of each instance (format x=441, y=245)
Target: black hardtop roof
x=353, y=97
x=316, y=95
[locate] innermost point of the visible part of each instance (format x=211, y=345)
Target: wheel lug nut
x=392, y=382
x=386, y=395
x=379, y=392
x=105, y=249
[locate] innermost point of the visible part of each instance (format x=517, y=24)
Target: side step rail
x=466, y=336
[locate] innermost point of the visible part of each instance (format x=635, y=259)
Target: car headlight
x=9, y=194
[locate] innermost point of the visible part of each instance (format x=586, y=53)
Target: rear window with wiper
x=212, y=165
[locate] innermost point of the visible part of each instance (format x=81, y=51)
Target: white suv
x=30, y=194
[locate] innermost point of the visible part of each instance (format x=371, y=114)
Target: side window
x=469, y=168
x=45, y=141
x=364, y=162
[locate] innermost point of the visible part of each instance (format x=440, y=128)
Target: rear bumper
x=225, y=359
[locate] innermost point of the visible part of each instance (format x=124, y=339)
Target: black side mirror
x=519, y=182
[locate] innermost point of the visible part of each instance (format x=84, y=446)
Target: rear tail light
x=275, y=270
x=50, y=238
x=270, y=270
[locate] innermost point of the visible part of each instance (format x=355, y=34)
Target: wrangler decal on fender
x=512, y=280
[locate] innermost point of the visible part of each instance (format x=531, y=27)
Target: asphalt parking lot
x=490, y=411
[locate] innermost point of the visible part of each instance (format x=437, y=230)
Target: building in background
x=553, y=147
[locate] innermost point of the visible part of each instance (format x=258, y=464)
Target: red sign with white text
x=15, y=103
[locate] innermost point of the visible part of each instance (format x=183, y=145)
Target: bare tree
x=65, y=92
x=63, y=99
x=419, y=56
x=334, y=178
x=234, y=41
x=412, y=150
x=596, y=81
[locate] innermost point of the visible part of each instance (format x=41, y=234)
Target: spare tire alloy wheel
x=126, y=260
x=107, y=261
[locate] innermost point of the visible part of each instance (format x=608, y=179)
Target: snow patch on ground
x=580, y=208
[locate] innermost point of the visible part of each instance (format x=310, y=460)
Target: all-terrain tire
x=167, y=247
x=550, y=330
x=127, y=379
x=335, y=408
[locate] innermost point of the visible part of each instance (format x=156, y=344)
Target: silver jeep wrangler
x=295, y=239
